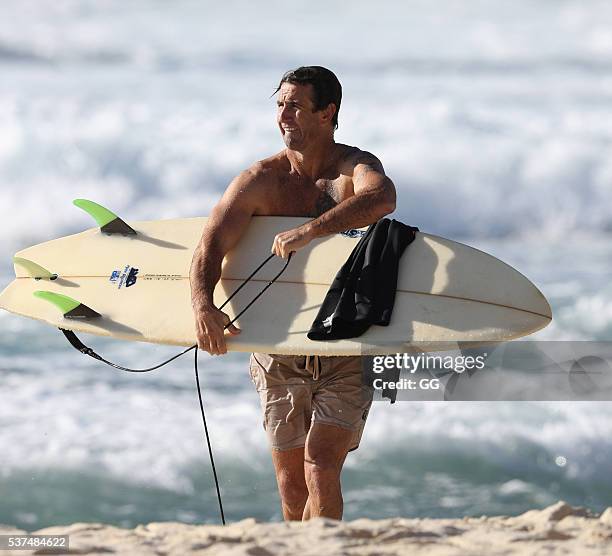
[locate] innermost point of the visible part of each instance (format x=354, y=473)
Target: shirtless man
x=311, y=428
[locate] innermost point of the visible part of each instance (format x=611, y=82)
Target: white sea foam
x=500, y=127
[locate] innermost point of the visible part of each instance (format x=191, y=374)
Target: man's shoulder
x=353, y=156
x=264, y=170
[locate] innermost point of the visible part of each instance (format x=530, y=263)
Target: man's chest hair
x=310, y=198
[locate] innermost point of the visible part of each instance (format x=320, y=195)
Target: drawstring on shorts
x=313, y=365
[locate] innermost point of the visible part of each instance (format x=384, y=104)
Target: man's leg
x=289, y=468
x=326, y=449
x=285, y=397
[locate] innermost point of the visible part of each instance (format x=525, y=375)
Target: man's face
x=299, y=124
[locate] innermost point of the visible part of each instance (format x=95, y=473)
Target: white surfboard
x=139, y=284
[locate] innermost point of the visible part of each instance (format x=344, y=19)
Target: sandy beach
x=557, y=529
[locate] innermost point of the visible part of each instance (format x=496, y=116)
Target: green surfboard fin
x=71, y=308
x=108, y=221
x=34, y=270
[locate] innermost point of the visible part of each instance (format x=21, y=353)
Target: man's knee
x=321, y=467
x=292, y=489
x=294, y=493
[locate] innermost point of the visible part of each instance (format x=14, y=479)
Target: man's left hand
x=290, y=241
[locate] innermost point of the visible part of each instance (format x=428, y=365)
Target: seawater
x=494, y=122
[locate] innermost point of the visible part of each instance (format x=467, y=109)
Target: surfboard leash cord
x=76, y=343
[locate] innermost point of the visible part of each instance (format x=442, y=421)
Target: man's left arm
x=374, y=198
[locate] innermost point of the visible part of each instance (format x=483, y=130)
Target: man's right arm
x=224, y=227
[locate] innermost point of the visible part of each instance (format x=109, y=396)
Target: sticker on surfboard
x=126, y=277
x=353, y=233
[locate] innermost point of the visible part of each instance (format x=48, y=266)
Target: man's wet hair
x=325, y=85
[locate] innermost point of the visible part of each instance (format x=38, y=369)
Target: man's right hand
x=210, y=328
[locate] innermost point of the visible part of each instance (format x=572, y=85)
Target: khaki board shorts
x=296, y=391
